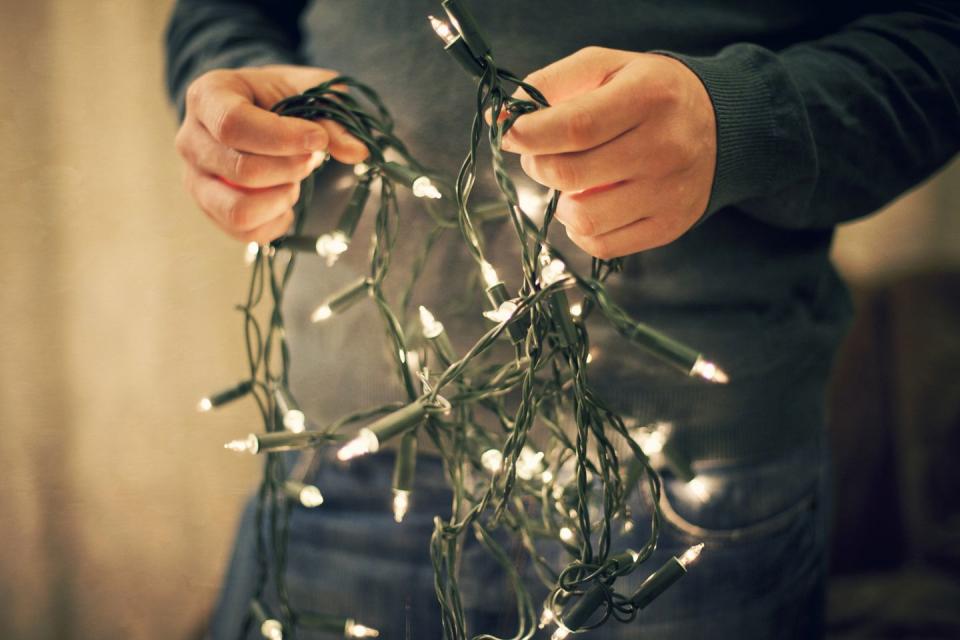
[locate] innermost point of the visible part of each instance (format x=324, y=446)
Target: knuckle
x=580, y=126
x=228, y=125
x=241, y=167
x=562, y=174
x=237, y=213
x=293, y=194
x=181, y=142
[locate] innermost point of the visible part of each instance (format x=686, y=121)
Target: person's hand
x=630, y=139
x=244, y=163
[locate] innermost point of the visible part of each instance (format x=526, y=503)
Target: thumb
x=578, y=73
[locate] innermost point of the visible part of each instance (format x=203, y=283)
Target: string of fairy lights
x=569, y=487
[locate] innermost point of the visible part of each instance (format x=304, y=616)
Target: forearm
x=833, y=129
x=207, y=35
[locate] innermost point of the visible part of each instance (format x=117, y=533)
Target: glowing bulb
x=529, y=463
x=699, y=487
x=592, y=354
x=424, y=188
x=401, y=504
x=566, y=534
x=627, y=526
x=331, y=246
x=360, y=169
x=354, y=630
x=295, y=421
x=546, y=617
x=502, y=313
x=365, y=442
x=531, y=203
x=553, y=272
x=204, y=405
x=547, y=477
x=271, y=629
x=492, y=460
x=690, y=555
x=576, y=309
x=310, y=496
x=443, y=30
x=489, y=274
x=709, y=371
x=561, y=633
x=431, y=327
x=251, y=253
x=321, y=313
x=652, y=440
x=250, y=444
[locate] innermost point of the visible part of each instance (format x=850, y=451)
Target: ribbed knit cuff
x=763, y=140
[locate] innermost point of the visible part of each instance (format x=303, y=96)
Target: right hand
x=244, y=163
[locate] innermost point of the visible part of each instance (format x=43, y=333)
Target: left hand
x=630, y=139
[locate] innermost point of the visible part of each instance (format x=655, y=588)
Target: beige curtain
x=117, y=502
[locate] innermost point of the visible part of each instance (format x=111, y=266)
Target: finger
x=640, y=235
x=249, y=170
x=582, y=122
x=239, y=210
x=269, y=231
x=619, y=159
x=602, y=210
x=233, y=120
x=582, y=71
x=343, y=146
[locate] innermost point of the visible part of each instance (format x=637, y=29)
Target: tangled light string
x=566, y=490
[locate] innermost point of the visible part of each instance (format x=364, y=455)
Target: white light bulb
x=271, y=629
x=651, y=440
x=431, y=327
x=401, y=504
x=690, y=555
x=627, y=526
x=331, y=246
x=311, y=497
x=700, y=488
x=250, y=253
x=502, y=313
x=489, y=274
x=204, y=405
x=531, y=203
x=295, y=421
x=365, y=442
x=354, y=630
x=443, y=30
x=561, y=633
x=546, y=617
x=423, y=188
x=547, y=477
x=492, y=460
x=709, y=371
x=576, y=309
x=529, y=463
x=321, y=313
x=566, y=534
x=360, y=169
x=554, y=272
x=250, y=444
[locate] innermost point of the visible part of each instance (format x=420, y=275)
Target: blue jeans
x=761, y=574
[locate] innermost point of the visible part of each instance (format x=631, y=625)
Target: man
x=718, y=164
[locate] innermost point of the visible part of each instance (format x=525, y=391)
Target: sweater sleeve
x=204, y=35
x=830, y=130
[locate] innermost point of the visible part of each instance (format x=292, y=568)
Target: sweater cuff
x=763, y=140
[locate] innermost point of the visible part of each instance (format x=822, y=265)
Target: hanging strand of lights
x=568, y=485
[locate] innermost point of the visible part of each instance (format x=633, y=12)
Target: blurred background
x=117, y=501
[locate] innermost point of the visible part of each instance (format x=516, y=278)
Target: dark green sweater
x=825, y=112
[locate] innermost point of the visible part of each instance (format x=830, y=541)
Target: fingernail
x=317, y=140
